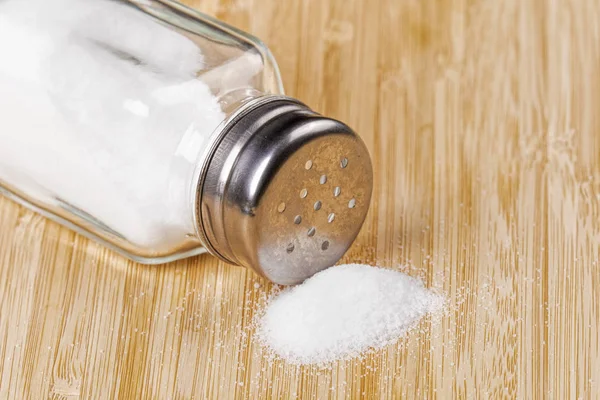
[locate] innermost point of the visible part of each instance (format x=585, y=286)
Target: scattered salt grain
x=343, y=312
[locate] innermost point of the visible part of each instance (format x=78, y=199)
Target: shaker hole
x=337, y=191
x=303, y=193
x=311, y=232
x=290, y=248
x=281, y=207
x=325, y=245
x=352, y=203
x=331, y=217
x=318, y=205
x=344, y=162
x=297, y=219
x=308, y=165
x=323, y=179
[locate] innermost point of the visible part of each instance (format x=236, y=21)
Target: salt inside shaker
x=163, y=133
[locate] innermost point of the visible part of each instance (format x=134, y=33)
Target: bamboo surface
x=482, y=120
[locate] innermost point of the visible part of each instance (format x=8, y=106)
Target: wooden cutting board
x=483, y=121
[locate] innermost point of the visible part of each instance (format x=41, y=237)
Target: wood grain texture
x=482, y=120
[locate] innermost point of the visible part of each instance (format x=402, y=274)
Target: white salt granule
x=343, y=312
x=102, y=110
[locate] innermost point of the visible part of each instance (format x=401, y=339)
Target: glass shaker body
x=164, y=133
x=107, y=110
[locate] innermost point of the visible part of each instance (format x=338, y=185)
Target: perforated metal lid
x=286, y=191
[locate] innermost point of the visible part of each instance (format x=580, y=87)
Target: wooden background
x=482, y=119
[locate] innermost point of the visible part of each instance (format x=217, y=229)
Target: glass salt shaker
x=164, y=133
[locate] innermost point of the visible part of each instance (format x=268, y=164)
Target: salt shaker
x=164, y=133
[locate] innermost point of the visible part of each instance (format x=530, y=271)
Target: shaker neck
x=234, y=100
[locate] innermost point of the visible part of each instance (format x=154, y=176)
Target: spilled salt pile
x=342, y=312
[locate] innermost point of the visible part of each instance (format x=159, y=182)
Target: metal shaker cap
x=285, y=191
